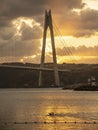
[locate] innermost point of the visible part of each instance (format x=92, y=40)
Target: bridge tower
x=48, y=24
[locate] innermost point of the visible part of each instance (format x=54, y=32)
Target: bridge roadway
x=32, y=68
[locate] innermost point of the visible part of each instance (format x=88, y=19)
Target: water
x=27, y=109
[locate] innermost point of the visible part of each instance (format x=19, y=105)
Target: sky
x=75, y=24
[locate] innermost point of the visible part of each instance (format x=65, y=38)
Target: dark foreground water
x=27, y=109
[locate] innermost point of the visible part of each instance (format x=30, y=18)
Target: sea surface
x=28, y=109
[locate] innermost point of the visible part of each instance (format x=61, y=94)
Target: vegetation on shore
x=21, y=78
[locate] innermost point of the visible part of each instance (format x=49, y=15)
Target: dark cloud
x=71, y=23
x=7, y=33
x=83, y=24
x=29, y=33
x=17, y=8
x=17, y=47
x=61, y=7
x=90, y=17
x=5, y=23
x=87, y=24
x=12, y=9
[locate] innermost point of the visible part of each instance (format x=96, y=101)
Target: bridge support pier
x=48, y=23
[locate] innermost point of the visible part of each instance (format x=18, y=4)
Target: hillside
x=17, y=78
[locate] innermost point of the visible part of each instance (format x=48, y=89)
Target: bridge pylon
x=48, y=24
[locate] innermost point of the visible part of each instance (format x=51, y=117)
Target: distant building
x=92, y=81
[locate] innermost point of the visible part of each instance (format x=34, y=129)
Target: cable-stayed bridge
x=48, y=24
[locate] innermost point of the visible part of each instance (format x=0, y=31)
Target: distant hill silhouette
x=18, y=78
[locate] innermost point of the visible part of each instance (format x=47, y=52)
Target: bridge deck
x=32, y=68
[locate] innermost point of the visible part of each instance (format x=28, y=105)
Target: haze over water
x=34, y=105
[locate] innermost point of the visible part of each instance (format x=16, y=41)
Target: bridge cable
x=67, y=50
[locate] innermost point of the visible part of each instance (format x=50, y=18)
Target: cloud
x=12, y=9
x=20, y=39
x=80, y=54
x=18, y=47
x=7, y=33
x=29, y=33
x=78, y=51
x=23, y=40
x=27, y=8
x=70, y=22
x=82, y=24
x=87, y=23
x=88, y=59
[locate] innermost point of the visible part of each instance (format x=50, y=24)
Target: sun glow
x=93, y=4
x=27, y=58
x=76, y=59
x=67, y=59
x=69, y=41
x=48, y=48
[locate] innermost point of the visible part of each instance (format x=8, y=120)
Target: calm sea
x=28, y=109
